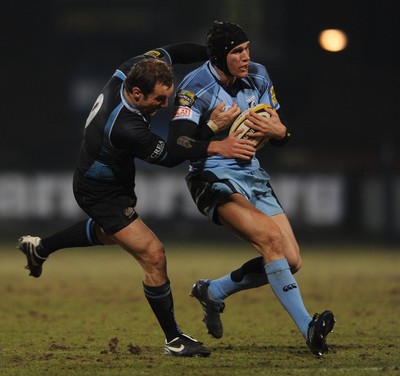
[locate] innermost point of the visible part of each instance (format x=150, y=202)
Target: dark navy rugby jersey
x=116, y=132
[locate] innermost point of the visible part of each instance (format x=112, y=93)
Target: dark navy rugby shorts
x=110, y=205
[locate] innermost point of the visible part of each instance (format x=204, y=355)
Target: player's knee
x=156, y=256
x=273, y=241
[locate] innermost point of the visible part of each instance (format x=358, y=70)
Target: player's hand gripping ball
x=239, y=124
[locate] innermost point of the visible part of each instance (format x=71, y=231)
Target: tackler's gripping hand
x=222, y=118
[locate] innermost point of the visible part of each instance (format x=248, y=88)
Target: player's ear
x=136, y=92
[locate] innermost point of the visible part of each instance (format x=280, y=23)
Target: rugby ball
x=239, y=124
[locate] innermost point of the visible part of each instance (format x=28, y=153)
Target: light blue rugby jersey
x=204, y=92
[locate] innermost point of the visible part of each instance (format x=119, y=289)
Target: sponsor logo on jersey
x=183, y=112
x=273, y=96
x=157, y=151
x=251, y=102
x=185, y=98
x=153, y=53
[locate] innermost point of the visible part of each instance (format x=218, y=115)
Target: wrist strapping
x=213, y=126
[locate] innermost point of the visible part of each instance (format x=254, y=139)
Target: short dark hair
x=146, y=73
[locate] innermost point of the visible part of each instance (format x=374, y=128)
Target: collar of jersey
x=214, y=71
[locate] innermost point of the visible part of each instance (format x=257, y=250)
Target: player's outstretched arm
x=182, y=143
x=232, y=147
x=188, y=140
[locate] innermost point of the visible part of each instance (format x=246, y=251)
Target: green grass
x=87, y=315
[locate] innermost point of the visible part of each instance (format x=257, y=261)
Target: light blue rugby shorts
x=212, y=187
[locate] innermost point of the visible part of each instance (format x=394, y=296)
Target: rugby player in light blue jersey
x=236, y=193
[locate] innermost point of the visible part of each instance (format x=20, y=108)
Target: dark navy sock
x=81, y=234
x=162, y=304
x=250, y=275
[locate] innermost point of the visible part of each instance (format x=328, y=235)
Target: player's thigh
x=248, y=223
x=290, y=245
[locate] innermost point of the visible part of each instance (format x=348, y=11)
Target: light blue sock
x=223, y=287
x=285, y=288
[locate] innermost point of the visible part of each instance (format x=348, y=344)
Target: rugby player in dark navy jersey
x=116, y=132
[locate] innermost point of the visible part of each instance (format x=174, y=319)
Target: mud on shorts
x=209, y=188
x=111, y=206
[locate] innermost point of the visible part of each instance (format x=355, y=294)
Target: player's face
x=238, y=60
x=156, y=100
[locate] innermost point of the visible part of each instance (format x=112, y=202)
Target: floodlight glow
x=333, y=40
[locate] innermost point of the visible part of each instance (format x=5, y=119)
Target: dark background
x=343, y=108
